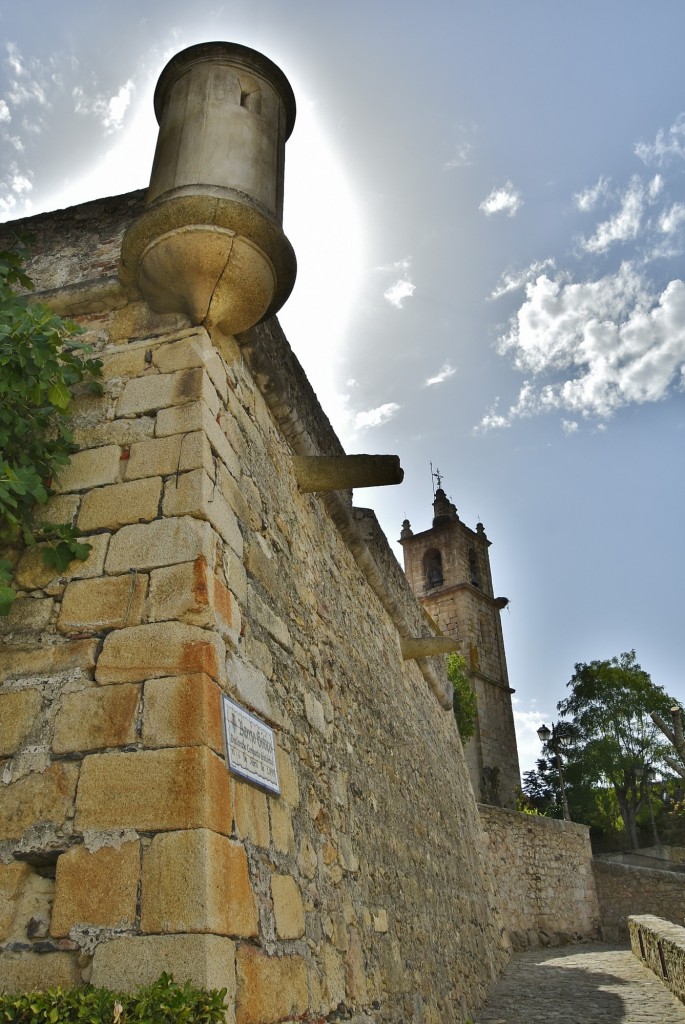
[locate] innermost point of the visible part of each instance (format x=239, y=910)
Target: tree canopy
x=611, y=736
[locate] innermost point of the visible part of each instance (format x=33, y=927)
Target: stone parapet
x=626, y=889
x=660, y=945
x=543, y=872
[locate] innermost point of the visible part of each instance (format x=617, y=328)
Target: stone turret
x=448, y=567
x=210, y=243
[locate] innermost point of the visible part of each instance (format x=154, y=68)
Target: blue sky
x=487, y=202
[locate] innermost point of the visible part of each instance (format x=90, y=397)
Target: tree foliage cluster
x=610, y=750
x=40, y=363
x=464, y=703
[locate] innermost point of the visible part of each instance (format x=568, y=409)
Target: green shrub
x=40, y=363
x=165, y=1002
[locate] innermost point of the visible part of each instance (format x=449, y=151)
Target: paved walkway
x=593, y=984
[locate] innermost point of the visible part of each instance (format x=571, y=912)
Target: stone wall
x=625, y=889
x=543, y=869
x=126, y=847
x=660, y=946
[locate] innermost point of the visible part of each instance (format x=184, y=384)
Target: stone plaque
x=249, y=746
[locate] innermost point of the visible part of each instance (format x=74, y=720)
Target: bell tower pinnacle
x=448, y=568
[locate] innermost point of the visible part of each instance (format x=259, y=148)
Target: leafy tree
x=541, y=788
x=40, y=362
x=674, y=735
x=612, y=738
x=465, y=704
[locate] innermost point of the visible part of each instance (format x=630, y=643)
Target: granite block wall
x=126, y=845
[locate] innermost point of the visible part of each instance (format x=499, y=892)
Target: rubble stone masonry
x=126, y=846
x=543, y=868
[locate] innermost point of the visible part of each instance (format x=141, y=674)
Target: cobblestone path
x=593, y=984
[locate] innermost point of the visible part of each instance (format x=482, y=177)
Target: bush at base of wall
x=165, y=1002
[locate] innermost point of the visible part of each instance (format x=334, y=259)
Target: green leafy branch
x=40, y=363
x=465, y=704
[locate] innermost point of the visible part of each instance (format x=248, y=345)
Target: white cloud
x=569, y=426
x=110, y=110
x=588, y=199
x=502, y=200
x=594, y=347
x=13, y=59
x=400, y=290
x=624, y=226
x=493, y=421
x=667, y=145
x=463, y=149
x=15, y=142
x=401, y=266
x=14, y=187
x=443, y=374
x=655, y=187
x=4, y=112
x=461, y=158
x=25, y=86
x=512, y=280
x=21, y=184
x=671, y=219
x=526, y=724
x=375, y=417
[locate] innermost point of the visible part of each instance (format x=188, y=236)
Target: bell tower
x=448, y=568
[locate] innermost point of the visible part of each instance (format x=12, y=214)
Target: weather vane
x=437, y=475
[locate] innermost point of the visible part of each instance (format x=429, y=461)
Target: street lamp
x=555, y=737
x=643, y=772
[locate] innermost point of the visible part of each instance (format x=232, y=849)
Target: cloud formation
x=588, y=198
x=375, y=417
x=401, y=289
x=512, y=280
x=668, y=145
x=461, y=158
x=590, y=348
x=443, y=374
x=505, y=199
x=109, y=109
x=625, y=225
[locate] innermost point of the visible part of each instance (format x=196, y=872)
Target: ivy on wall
x=40, y=362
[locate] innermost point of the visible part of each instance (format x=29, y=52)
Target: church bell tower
x=448, y=568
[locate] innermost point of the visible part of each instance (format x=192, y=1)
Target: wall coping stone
x=660, y=945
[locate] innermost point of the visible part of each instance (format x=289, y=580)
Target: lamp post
x=555, y=737
x=643, y=774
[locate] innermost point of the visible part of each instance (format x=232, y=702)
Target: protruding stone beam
x=343, y=472
x=414, y=647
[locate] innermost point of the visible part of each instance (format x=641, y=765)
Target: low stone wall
x=543, y=871
x=661, y=947
x=625, y=889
